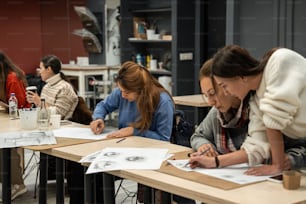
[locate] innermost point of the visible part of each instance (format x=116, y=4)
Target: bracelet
x=217, y=162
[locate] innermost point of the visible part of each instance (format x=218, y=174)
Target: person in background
x=225, y=128
x=13, y=80
x=277, y=110
x=145, y=107
x=57, y=92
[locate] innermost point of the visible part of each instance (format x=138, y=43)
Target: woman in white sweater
x=278, y=112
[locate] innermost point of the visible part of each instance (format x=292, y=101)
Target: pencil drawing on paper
x=135, y=159
x=104, y=165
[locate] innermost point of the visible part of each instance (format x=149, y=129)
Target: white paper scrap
x=81, y=133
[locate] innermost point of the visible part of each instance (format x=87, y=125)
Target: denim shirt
x=162, y=121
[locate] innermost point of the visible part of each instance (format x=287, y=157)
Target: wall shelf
x=135, y=40
x=152, y=10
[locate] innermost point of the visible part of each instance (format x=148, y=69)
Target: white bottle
x=13, y=107
x=43, y=118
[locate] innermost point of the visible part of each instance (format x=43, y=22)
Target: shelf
x=135, y=40
x=152, y=10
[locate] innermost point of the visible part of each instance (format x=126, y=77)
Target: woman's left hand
x=123, y=132
x=264, y=170
x=202, y=161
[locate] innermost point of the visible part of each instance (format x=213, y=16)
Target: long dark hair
x=138, y=79
x=233, y=60
x=7, y=66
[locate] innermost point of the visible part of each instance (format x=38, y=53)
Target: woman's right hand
x=33, y=98
x=97, y=126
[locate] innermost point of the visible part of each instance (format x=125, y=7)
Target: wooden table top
x=263, y=192
x=76, y=152
x=196, y=100
x=8, y=125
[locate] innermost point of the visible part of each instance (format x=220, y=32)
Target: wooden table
x=76, y=152
x=263, y=192
x=196, y=100
x=8, y=125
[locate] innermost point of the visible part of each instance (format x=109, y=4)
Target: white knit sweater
x=279, y=103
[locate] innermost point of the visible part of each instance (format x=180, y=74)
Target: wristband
x=217, y=162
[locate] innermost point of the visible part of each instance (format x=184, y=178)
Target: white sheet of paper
x=234, y=173
x=128, y=158
x=81, y=133
x=91, y=157
x=26, y=138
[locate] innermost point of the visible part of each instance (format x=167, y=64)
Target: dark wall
x=31, y=29
x=262, y=25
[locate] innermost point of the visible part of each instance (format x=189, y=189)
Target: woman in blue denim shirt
x=145, y=106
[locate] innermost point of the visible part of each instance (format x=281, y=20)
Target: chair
x=128, y=193
x=31, y=165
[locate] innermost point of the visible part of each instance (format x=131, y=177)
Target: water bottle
x=13, y=107
x=43, y=118
x=138, y=59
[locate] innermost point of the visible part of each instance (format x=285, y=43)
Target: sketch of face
x=113, y=37
x=111, y=154
x=135, y=158
x=114, y=45
x=104, y=165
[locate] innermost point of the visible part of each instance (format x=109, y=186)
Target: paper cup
x=153, y=64
x=150, y=34
x=32, y=88
x=55, y=121
x=291, y=179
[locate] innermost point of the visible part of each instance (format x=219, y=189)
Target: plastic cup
x=28, y=118
x=55, y=121
x=291, y=180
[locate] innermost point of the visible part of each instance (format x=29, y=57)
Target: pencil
x=206, y=150
x=121, y=140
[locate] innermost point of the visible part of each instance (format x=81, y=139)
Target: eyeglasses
x=210, y=95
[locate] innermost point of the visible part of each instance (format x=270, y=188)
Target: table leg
x=165, y=197
x=108, y=188
x=99, y=197
x=6, y=175
x=89, y=191
x=43, y=178
x=148, y=195
x=60, y=172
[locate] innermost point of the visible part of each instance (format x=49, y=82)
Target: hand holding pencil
x=205, y=149
x=202, y=160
